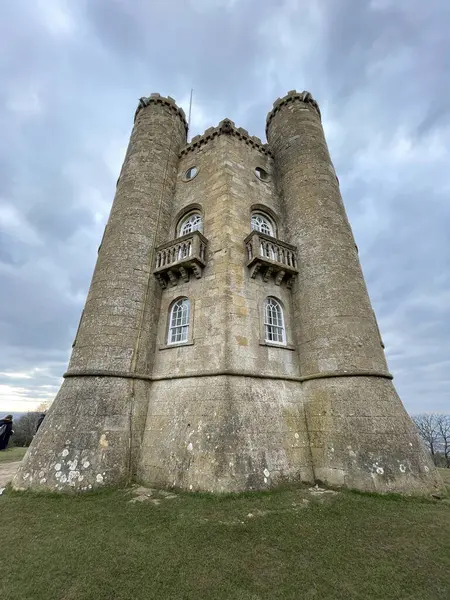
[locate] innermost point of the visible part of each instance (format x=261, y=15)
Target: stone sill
x=179, y=345
x=282, y=346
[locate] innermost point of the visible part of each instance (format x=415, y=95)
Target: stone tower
x=228, y=341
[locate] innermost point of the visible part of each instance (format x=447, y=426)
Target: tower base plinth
x=88, y=439
x=362, y=438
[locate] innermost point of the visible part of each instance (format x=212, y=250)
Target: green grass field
x=286, y=544
x=445, y=474
x=12, y=454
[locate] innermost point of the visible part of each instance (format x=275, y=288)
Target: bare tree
x=428, y=427
x=24, y=429
x=444, y=435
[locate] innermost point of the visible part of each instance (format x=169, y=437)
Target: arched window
x=262, y=223
x=274, y=330
x=191, y=222
x=179, y=322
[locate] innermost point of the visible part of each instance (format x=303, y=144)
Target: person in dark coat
x=6, y=431
x=39, y=423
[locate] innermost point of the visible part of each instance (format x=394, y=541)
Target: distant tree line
x=25, y=429
x=25, y=426
x=434, y=429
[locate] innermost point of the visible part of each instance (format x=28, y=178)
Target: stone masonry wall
x=225, y=432
x=359, y=431
x=93, y=432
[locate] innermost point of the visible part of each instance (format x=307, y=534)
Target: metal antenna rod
x=190, y=110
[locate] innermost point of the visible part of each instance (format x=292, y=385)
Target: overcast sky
x=71, y=75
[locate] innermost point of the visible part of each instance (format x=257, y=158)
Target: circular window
x=261, y=174
x=190, y=173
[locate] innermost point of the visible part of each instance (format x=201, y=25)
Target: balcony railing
x=178, y=258
x=271, y=257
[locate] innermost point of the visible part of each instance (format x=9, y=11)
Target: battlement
x=158, y=99
x=292, y=96
x=228, y=127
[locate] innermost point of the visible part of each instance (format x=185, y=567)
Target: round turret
x=336, y=324
x=97, y=418
x=139, y=220
x=359, y=432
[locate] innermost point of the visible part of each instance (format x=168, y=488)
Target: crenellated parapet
x=292, y=96
x=158, y=99
x=226, y=127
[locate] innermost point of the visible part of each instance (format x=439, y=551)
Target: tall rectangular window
x=179, y=322
x=274, y=330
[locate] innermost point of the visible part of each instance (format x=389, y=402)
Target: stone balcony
x=178, y=258
x=271, y=257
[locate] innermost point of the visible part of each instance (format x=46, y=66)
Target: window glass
x=190, y=223
x=261, y=174
x=190, y=173
x=274, y=330
x=179, y=322
x=262, y=223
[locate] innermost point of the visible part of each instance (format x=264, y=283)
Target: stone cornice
x=228, y=373
x=226, y=127
x=158, y=99
x=292, y=96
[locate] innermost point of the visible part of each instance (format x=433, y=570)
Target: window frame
x=185, y=177
x=185, y=218
x=266, y=322
x=258, y=171
x=289, y=334
x=270, y=221
x=184, y=324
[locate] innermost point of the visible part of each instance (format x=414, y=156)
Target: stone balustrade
x=179, y=257
x=271, y=257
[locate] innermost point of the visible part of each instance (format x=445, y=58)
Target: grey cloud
x=56, y=221
x=71, y=80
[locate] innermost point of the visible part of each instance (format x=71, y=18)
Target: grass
x=445, y=474
x=12, y=454
x=244, y=547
